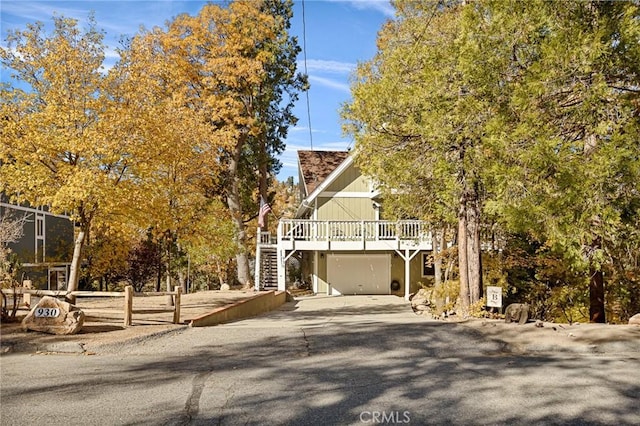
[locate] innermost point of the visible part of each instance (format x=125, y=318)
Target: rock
x=634, y=320
x=517, y=312
x=54, y=316
x=539, y=324
x=421, y=298
x=225, y=287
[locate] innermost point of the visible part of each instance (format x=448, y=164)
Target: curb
x=79, y=348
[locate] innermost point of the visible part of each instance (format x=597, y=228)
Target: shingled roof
x=316, y=166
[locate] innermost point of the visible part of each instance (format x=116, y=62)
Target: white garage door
x=358, y=274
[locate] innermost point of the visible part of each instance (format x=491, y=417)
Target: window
x=39, y=226
x=427, y=264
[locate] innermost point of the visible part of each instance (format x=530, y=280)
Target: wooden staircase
x=268, y=268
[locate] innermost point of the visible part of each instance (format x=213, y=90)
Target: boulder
x=420, y=301
x=634, y=320
x=225, y=287
x=516, y=312
x=54, y=316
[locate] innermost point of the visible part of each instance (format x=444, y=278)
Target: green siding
x=415, y=273
x=344, y=208
x=350, y=181
x=322, y=273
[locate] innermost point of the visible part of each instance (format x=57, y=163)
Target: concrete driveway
x=327, y=311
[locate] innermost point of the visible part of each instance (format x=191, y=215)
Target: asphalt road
x=336, y=362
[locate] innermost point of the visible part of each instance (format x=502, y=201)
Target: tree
x=11, y=230
x=209, y=247
x=452, y=106
x=176, y=151
x=419, y=115
x=276, y=98
x=236, y=64
x=573, y=182
x=54, y=152
x=142, y=263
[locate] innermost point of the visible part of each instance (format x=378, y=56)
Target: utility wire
x=304, y=51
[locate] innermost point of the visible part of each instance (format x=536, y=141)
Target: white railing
x=265, y=238
x=353, y=230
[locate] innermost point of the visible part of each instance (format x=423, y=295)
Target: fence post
x=128, y=305
x=26, y=297
x=176, y=307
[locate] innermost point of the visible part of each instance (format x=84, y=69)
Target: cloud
x=334, y=67
x=40, y=11
x=382, y=6
x=330, y=83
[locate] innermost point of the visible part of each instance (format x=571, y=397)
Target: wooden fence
x=128, y=294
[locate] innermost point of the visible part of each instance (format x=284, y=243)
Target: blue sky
x=339, y=34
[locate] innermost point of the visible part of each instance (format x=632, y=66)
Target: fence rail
x=128, y=294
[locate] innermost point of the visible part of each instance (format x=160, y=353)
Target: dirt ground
x=554, y=337
x=104, y=317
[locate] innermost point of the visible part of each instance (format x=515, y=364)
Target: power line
x=304, y=51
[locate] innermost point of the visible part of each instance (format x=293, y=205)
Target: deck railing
x=353, y=230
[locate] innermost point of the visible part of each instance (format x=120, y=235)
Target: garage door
x=358, y=274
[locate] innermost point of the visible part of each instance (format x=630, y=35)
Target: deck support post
x=257, y=277
x=407, y=274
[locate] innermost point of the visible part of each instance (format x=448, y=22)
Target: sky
x=338, y=35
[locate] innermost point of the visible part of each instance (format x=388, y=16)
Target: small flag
x=264, y=210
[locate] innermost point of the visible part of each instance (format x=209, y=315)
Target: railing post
x=176, y=307
x=128, y=305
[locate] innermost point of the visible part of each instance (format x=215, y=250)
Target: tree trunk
x=182, y=280
x=159, y=267
x=596, y=297
x=263, y=183
x=74, y=275
x=474, y=260
x=469, y=252
x=596, y=290
x=235, y=207
x=438, y=247
x=463, y=260
x=437, y=258
x=168, y=273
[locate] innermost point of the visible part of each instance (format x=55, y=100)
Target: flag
x=264, y=210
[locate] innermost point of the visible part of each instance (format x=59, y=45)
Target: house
x=339, y=241
x=46, y=247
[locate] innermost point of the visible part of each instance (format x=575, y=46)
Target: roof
x=316, y=166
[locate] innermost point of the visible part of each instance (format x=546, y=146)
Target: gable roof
x=321, y=169
x=316, y=166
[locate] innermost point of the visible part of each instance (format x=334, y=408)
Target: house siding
x=344, y=208
x=350, y=181
x=59, y=242
x=348, y=199
x=56, y=239
x=25, y=248
x=322, y=273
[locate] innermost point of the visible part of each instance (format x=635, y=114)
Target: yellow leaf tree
x=56, y=149
x=237, y=64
